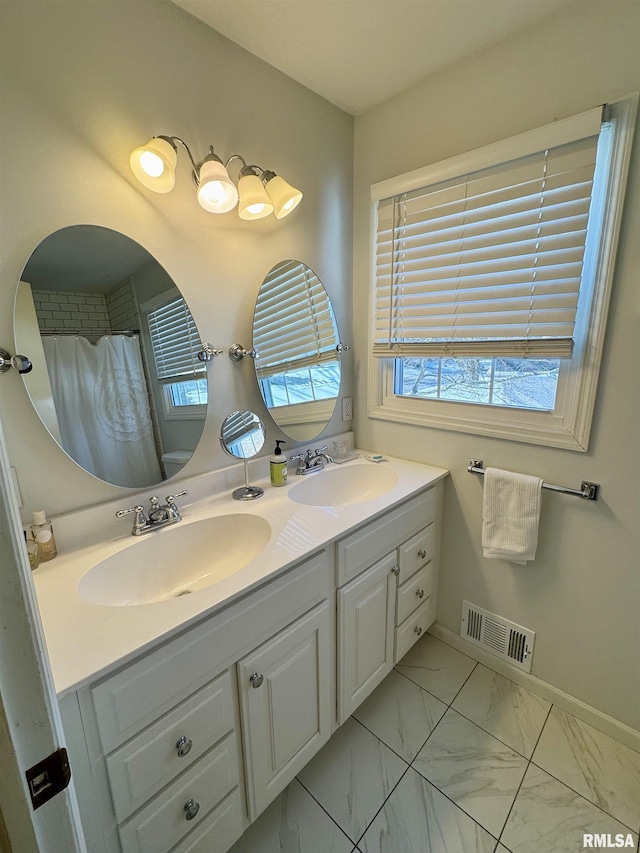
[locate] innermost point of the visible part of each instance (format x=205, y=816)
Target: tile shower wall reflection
x=63, y=309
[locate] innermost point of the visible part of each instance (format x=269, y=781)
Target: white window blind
x=488, y=263
x=175, y=341
x=294, y=325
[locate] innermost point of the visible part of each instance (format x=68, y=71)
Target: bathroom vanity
x=186, y=716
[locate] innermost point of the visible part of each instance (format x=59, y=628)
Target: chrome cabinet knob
x=395, y=570
x=184, y=746
x=256, y=679
x=191, y=809
x=420, y=593
x=418, y=630
x=422, y=553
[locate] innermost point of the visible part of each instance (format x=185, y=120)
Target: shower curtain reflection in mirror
x=102, y=406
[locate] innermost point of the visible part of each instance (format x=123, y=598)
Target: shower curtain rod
x=48, y=332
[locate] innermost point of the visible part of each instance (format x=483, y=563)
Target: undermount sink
x=341, y=486
x=176, y=561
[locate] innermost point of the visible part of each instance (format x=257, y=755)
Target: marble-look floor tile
x=352, y=776
x=401, y=714
x=439, y=668
x=502, y=849
x=549, y=816
x=293, y=823
x=417, y=818
x=479, y=773
x=593, y=764
x=503, y=708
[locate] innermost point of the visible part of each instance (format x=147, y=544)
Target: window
x=491, y=279
x=175, y=344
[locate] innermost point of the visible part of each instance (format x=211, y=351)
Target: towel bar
x=588, y=491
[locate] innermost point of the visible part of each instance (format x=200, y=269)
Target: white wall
x=82, y=84
x=582, y=593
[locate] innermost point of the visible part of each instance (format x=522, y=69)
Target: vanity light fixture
x=259, y=192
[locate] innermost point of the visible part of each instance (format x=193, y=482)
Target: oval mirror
x=297, y=360
x=116, y=376
x=243, y=435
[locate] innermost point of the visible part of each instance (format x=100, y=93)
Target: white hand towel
x=510, y=515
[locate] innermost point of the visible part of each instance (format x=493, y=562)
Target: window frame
x=164, y=385
x=568, y=426
x=196, y=411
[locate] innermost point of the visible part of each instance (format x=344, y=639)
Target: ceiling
x=84, y=259
x=358, y=53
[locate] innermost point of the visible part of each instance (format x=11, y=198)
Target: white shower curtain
x=101, y=401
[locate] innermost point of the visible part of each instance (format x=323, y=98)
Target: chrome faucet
x=159, y=515
x=311, y=461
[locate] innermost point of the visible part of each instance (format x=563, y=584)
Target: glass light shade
x=283, y=196
x=154, y=165
x=254, y=201
x=217, y=193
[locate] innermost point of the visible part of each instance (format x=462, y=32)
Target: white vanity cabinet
x=179, y=748
x=387, y=595
x=160, y=765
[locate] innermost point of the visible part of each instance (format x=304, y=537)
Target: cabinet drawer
x=218, y=830
x=145, y=764
x=136, y=696
x=163, y=822
x=414, y=592
x=359, y=550
x=415, y=553
x=414, y=627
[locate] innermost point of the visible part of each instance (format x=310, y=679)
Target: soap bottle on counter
x=32, y=551
x=42, y=532
x=278, y=466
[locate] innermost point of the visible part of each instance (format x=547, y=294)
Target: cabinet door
x=285, y=695
x=366, y=608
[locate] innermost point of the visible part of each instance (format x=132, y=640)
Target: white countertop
x=86, y=640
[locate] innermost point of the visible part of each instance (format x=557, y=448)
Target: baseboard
x=603, y=722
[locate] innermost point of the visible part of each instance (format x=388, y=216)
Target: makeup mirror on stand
x=242, y=435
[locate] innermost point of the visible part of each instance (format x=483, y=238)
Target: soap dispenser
x=42, y=532
x=278, y=465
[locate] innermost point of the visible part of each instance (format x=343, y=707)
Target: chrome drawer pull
x=191, y=809
x=420, y=593
x=184, y=746
x=418, y=630
x=422, y=553
x=395, y=570
x=256, y=680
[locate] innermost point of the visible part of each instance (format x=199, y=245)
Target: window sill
x=477, y=422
